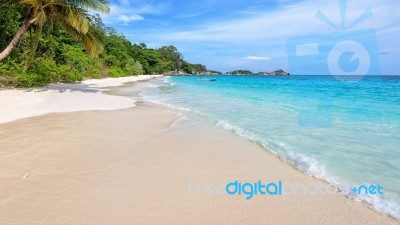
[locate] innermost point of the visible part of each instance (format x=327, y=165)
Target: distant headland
x=279, y=72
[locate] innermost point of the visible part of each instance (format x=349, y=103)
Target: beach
x=97, y=153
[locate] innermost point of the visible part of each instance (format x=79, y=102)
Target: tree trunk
x=15, y=40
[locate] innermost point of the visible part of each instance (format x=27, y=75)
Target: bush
x=50, y=71
x=31, y=80
x=15, y=79
x=11, y=75
x=117, y=72
x=134, y=68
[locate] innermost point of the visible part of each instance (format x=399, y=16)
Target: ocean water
x=342, y=130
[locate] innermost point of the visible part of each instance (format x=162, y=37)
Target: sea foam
x=265, y=110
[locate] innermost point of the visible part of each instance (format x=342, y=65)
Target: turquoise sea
x=342, y=130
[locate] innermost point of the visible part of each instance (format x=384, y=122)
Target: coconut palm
x=71, y=15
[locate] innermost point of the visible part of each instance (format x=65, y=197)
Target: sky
x=265, y=35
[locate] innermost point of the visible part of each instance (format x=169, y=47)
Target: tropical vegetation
x=47, y=41
x=240, y=72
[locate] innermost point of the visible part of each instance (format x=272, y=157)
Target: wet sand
x=134, y=166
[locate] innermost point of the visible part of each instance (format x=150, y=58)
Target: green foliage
x=240, y=72
x=194, y=68
x=12, y=76
x=12, y=16
x=214, y=72
x=60, y=58
x=76, y=60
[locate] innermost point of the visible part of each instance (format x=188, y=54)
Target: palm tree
x=71, y=15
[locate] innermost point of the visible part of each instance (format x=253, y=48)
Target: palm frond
x=32, y=3
x=90, y=40
x=95, y=5
x=77, y=17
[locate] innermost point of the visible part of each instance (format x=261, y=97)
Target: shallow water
x=343, y=130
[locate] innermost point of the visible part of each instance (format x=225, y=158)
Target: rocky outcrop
x=279, y=72
x=240, y=72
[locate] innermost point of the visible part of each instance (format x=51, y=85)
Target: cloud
x=127, y=19
x=125, y=11
x=257, y=58
x=298, y=20
x=255, y=29
x=219, y=39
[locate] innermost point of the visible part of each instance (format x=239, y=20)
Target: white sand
x=134, y=166
x=115, y=82
x=137, y=165
x=23, y=103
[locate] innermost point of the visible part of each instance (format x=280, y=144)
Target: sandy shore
x=139, y=166
x=24, y=103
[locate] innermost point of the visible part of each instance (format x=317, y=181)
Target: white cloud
x=266, y=33
x=131, y=18
x=294, y=21
x=257, y=34
x=125, y=11
x=257, y=58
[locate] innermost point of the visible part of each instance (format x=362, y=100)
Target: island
x=279, y=72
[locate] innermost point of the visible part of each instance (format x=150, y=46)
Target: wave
x=302, y=162
x=312, y=167
x=242, y=133
x=157, y=101
x=305, y=164
x=168, y=81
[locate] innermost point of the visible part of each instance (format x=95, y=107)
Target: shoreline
x=109, y=151
x=28, y=102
